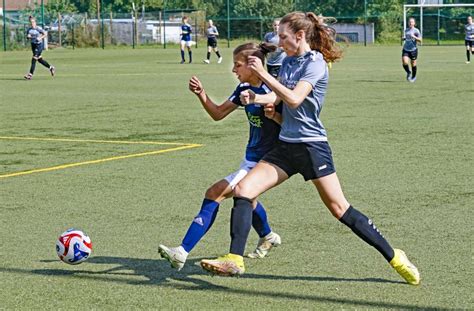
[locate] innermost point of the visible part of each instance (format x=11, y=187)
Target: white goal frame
x=423, y=5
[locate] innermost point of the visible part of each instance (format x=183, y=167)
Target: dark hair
x=259, y=50
x=319, y=35
x=31, y=18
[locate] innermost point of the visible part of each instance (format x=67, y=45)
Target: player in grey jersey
x=36, y=34
x=302, y=146
x=276, y=58
x=212, y=35
x=410, y=51
x=469, y=38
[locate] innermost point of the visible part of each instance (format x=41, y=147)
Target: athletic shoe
x=412, y=80
x=182, y=62
x=265, y=244
x=28, y=76
x=228, y=265
x=405, y=268
x=52, y=70
x=175, y=255
x=206, y=61
x=408, y=76
x=468, y=62
x=219, y=60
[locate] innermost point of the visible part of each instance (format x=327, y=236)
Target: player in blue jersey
x=469, y=38
x=274, y=59
x=36, y=35
x=263, y=135
x=302, y=146
x=410, y=50
x=186, y=41
x=212, y=35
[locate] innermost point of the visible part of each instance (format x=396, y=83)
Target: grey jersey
x=274, y=58
x=302, y=124
x=34, y=33
x=469, y=28
x=410, y=42
x=212, y=32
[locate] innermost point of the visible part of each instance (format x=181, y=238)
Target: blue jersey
x=469, y=28
x=34, y=34
x=263, y=131
x=186, y=31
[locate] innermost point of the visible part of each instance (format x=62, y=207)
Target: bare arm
x=217, y=112
x=292, y=98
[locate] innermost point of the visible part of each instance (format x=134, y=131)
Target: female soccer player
x=212, y=35
x=410, y=50
x=469, y=39
x=302, y=146
x=36, y=34
x=263, y=135
x=276, y=58
x=186, y=41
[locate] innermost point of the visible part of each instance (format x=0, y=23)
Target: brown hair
x=252, y=49
x=319, y=35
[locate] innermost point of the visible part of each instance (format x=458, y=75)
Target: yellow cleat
x=405, y=268
x=228, y=265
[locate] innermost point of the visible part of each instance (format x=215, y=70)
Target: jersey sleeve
x=40, y=30
x=235, y=97
x=314, y=71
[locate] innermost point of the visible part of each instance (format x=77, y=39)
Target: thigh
x=219, y=191
x=261, y=178
x=331, y=194
x=405, y=60
x=182, y=44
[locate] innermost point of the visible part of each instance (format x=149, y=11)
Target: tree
x=56, y=8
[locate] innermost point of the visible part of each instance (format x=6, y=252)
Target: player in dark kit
x=469, y=38
x=410, y=50
x=263, y=135
x=212, y=34
x=36, y=35
x=186, y=41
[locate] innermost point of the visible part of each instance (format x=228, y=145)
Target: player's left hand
x=255, y=64
x=269, y=110
x=247, y=97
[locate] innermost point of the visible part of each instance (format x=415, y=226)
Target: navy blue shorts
x=273, y=70
x=37, y=49
x=413, y=55
x=212, y=42
x=313, y=160
x=468, y=43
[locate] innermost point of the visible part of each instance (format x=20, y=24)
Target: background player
x=263, y=135
x=186, y=41
x=410, y=50
x=302, y=146
x=274, y=59
x=469, y=39
x=36, y=34
x=212, y=35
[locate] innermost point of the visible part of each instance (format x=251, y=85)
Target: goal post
x=431, y=4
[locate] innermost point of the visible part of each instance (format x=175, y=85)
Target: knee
x=212, y=193
x=338, y=209
x=242, y=190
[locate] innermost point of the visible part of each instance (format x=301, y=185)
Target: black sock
x=44, y=63
x=366, y=230
x=182, y=55
x=218, y=54
x=190, y=56
x=468, y=54
x=240, y=224
x=208, y=55
x=413, y=69
x=407, y=69
x=33, y=66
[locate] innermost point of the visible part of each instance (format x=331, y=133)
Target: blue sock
x=201, y=224
x=260, y=221
x=182, y=55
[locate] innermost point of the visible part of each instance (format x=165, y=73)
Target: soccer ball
x=73, y=246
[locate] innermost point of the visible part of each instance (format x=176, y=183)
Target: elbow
x=293, y=102
x=217, y=117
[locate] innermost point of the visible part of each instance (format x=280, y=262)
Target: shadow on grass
x=379, y=81
x=136, y=271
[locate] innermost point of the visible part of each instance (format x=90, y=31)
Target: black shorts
x=468, y=43
x=273, y=70
x=212, y=42
x=313, y=160
x=37, y=49
x=413, y=55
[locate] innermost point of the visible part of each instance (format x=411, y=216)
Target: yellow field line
x=93, y=141
x=64, y=166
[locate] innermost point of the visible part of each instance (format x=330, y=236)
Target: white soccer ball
x=73, y=246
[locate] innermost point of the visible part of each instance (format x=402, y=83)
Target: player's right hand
x=195, y=85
